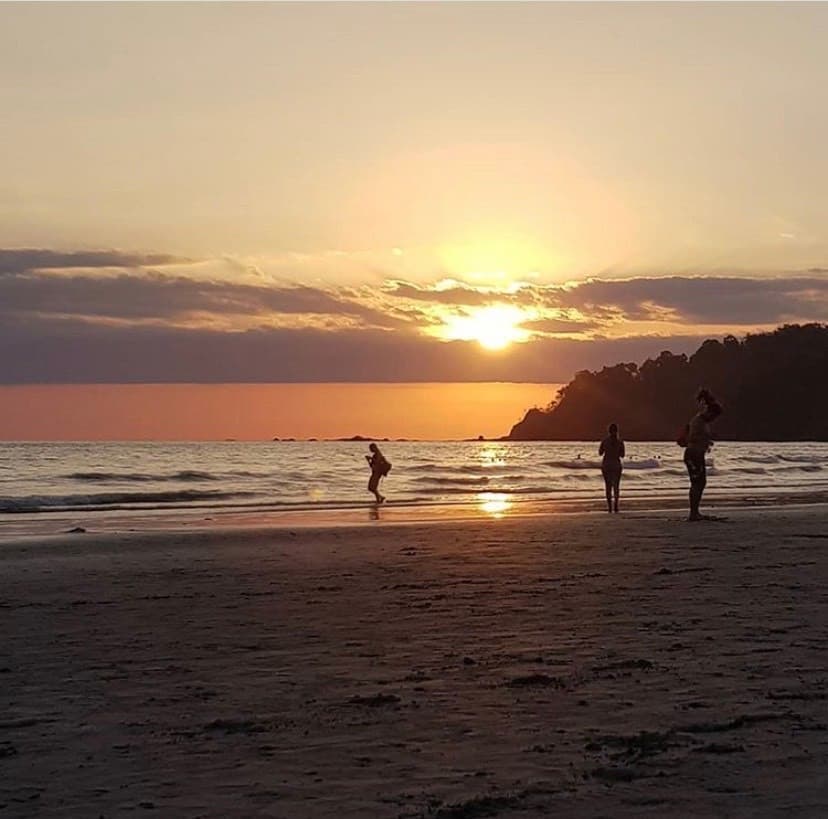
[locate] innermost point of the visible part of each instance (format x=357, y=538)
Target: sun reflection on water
x=492, y=456
x=495, y=504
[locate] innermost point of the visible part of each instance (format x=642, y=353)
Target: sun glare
x=494, y=327
x=494, y=503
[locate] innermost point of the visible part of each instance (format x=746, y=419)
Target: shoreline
x=186, y=532
x=368, y=514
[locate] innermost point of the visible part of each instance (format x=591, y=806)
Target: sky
x=403, y=192
x=260, y=412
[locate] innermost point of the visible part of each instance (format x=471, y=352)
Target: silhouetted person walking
x=612, y=448
x=380, y=467
x=697, y=440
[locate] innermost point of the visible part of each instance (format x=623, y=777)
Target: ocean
x=85, y=482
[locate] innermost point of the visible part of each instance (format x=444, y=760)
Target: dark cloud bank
x=79, y=327
x=70, y=351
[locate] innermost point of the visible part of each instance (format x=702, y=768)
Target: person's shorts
x=373, y=483
x=696, y=469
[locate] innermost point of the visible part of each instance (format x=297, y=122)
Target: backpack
x=386, y=468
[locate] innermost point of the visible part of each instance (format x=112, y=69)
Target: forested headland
x=774, y=387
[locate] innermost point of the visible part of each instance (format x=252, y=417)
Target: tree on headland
x=774, y=387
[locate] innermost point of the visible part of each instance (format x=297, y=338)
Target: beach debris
x=477, y=806
x=375, y=700
x=237, y=726
x=797, y=695
x=635, y=747
x=744, y=721
x=416, y=676
x=614, y=774
x=623, y=665
x=719, y=748
x=7, y=749
x=78, y=530
x=29, y=722
x=535, y=680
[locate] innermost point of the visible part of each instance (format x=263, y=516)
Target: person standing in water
x=380, y=467
x=612, y=448
x=697, y=439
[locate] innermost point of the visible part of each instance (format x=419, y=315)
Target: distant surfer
x=380, y=467
x=612, y=448
x=697, y=439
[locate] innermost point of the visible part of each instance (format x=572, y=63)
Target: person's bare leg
x=696, y=491
x=698, y=480
x=373, y=487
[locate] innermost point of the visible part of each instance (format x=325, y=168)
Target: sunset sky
x=403, y=192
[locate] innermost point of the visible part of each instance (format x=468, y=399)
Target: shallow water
x=159, y=478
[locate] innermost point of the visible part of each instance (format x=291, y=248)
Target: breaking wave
x=44, y=503
x=140, y=477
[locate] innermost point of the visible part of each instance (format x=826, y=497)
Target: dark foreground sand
x=563, y=666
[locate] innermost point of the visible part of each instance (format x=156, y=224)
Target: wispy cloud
x=705, y=300
x=174, y=299
x=22, y=260
x=688, y=300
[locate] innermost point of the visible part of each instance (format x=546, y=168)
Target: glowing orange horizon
x=100, y=412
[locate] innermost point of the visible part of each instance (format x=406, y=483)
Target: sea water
x=37, y=479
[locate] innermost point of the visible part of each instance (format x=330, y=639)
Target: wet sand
x=573, y=665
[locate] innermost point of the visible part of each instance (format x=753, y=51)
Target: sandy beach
x=571, y=665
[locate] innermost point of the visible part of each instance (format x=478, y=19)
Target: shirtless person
x=698, y=440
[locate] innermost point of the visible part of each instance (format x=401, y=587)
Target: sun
x=494, y=327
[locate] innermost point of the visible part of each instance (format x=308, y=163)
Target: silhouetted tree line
x=774, y=387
